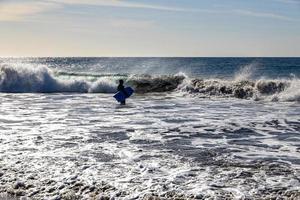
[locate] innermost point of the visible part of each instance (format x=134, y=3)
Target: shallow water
x=163, y=144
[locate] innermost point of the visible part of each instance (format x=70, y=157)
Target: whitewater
x=196, y=128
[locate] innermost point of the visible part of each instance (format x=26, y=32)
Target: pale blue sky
x=150, y=27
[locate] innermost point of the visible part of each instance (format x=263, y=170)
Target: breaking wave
x=43, y=80
x=274, y=90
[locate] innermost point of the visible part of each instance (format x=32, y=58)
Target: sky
x=201, y=28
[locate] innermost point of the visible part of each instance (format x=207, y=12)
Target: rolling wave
x=273, y=90
x=43, y=80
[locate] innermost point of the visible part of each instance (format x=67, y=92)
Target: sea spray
x=291, y=93
x=103, y=85
x=246, y=72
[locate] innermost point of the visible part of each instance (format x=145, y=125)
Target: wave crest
x=245, y=89
x=145, y=84
x=43, y=80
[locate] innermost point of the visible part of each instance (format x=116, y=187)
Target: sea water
x=206, y=128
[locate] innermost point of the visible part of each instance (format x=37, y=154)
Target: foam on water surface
x=161, y=144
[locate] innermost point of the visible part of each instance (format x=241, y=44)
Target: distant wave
x=43, y=80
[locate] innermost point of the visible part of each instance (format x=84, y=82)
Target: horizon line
x=3, y=57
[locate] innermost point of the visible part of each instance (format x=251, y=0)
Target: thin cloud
x=129, y=23
x=262, y=15
x=243, y=12
x=17, y=11
x=289, y=1
x=117, y=3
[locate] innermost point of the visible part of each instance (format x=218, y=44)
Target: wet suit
x=121, y=88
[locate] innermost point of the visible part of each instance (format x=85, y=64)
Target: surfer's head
x=121, y=82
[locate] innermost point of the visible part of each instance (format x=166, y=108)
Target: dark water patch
x=179, y=120
x=236, y=163
x=275, y=124
x=70, y=139
x=280, y=165
x=205, y=135
x=98, y=156
x=26, y=149
x=100, y=137
x=144, y=142
x=70, y=145
x=116, y=136
x=199, y=126
x=290, y=159
x=156, y=107
x=233, y=124
x=286, y=136
x=142, y=123
x=253, y=142
x=75, y=158
x=294, y=125
x=177, y=143
x=253, y=124
x=278, y=169
x=170, y=130
x=4, y=128
x=94, y=140
x=98, y=121
x=66, y=144
x=241, y=133
x=267, y=160
x=201, y=155
x=210, y=129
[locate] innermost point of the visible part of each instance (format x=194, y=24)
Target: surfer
x=121, y=88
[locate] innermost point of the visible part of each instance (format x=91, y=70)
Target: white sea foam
x=159, y=144
x=292, y=93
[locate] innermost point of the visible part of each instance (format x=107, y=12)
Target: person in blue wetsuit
x=122, y=89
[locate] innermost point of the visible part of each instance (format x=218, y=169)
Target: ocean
x=195, y=128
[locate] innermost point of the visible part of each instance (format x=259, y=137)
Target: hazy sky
x=149, y=27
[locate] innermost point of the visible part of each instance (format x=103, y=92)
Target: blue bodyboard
x=120, y=96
